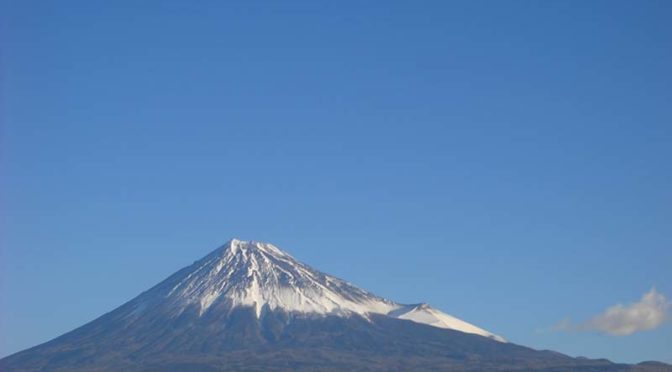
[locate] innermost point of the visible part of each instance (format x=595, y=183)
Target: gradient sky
x=508, y=162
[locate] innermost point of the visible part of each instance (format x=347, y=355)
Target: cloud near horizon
x=648, y=313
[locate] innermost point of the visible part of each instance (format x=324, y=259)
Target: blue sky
x=507, y=162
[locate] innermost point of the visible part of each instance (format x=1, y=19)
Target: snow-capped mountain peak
x=263, y=277
x=249, y=305
x=423, y=313
x=259, y=275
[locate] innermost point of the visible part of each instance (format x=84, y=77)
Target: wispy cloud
x=648, y=313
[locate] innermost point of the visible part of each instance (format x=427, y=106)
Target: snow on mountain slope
x=423, y=313
x=257, y=274
x=261, y=276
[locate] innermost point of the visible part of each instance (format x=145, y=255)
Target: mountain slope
x=263, y=277
x=251, y=306
x=425, y=314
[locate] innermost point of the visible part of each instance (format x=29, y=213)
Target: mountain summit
x=263, y=277
x=250, y=306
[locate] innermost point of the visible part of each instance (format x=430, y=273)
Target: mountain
x=252, y=306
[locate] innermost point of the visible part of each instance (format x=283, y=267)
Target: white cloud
x=648, y=313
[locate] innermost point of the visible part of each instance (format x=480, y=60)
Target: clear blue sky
x=508, y=162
